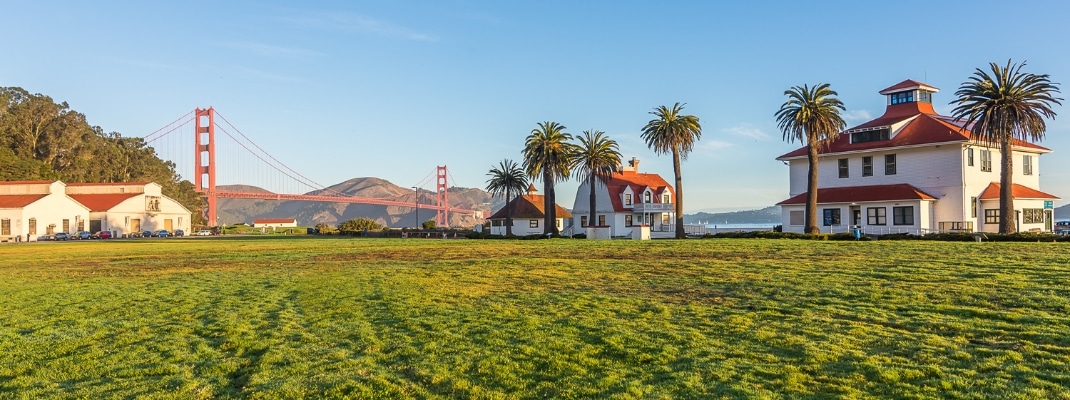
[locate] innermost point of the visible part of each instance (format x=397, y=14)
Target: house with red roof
x=275, y=223
x=630, y=199
x=29, y=209
x=528, y=213
x=914, y=171
x=126, y=208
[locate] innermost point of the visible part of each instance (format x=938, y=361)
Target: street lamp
x=417, y=190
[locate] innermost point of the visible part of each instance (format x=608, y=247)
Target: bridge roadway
x=335, y=199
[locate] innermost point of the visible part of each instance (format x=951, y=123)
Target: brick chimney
x=633, y=165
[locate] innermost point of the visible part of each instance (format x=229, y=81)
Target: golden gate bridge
x=251, y=165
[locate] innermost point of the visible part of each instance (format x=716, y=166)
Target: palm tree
x=507, y=179
x=811, y=116
x=673, y=133
x=596, y=159
x=546, y=154
x=1000, y=108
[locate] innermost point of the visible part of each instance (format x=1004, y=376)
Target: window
x=992, y=216
x=627, y=199
x=665, y=198
x=5, y=227
x=583, y=221
x=902, y=97
x=969, y=157
x=877, y=216
x=925, y=96
x=889, y=164
x=1027, y=165
x=795, y=218
x=664, y=218
x=831, y=216
x=867, y=166
x=843, y=168
x=602, y=220
x=872, y=135
x=973, y=207
x=646, y=197
x=1032, y=215
x=496, y=222
x=903, y=215
x=986, y=160
x=33, y=226
x=66, y=225
x=81, y=225
x=628, y=220
x=533, y=223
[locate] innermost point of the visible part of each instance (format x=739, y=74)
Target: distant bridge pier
x=442, y=217
x=204, y=169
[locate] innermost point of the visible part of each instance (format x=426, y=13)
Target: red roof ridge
x=908, y=84
x=19, y=200
x=867, y=193
x=101, y=201
x=1019, y=191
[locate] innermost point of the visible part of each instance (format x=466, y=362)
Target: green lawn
x=376, y=318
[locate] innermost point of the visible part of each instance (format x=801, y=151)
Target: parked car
x=147, y=234
x=203, y=232
x=62, y=236
x=43, y=238
x=163, y=233
x=179, y=232
x=84, y=235
x=102, y=235
x=1062, y=228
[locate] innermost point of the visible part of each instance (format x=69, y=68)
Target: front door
x=135, y=225
x=167, y=224
x=856, y=215
x=1047, y=221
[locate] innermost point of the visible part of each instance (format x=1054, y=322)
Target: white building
x=914, y=171
x=628, y=200
x=528, y=215
x=125, y=208
x=29, y=209
x=275, y=223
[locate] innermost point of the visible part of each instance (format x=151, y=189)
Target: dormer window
x=871, y=135
x=646, y=197
x=665, y=198
x=901, y=97
x=627, y=199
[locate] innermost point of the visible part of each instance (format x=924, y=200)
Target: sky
x=391, y=89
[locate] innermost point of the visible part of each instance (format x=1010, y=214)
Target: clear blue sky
x=391, y=89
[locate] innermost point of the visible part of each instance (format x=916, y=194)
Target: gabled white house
x=528, y=215
x=131, y=207
x=29, y=209
x=628, y=200
x=275, y=223
x=914, y=171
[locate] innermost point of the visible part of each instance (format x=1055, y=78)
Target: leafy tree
x=430, y=224
x=671, y=132
x=357, y=225
x=595, y=160
x=1002, y=107
x=811, y=116
x=507, y=180
x=547, y=154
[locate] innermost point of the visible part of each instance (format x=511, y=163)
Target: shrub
x=358, y=225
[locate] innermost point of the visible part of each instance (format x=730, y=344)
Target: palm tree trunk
x=811, y=191
x=591, y=222
x=547, y=202
x=680, y=234
x=1007, y=217
x=508, y=215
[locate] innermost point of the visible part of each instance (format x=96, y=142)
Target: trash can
x=857, y=232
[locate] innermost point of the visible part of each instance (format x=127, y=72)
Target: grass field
x=311, y=317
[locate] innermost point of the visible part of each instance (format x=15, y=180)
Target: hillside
x=310, y=213
x=768, y=215
x=1062, y=213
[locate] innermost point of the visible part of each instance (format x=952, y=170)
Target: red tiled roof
x=19, y=200
x=275, y=221
x=908, y=84
x=102, y=202
x=24, y=182
x=529, y=206
x=638, y=182
x=1019, y=192
x=108, y=183
x=856, y=194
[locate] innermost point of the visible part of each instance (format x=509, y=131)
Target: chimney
x=531, y=189
x=633, y=165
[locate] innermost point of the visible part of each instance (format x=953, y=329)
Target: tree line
x=41, y=139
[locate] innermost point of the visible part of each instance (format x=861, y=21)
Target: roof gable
x=19, y=200
x=529, y=206
x=638, y=183
x=1019, y=192
x=102, y=202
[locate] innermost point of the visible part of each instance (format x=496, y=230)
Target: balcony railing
x=956, y=226
x=653, y=207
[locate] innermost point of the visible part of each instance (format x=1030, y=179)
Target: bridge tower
x=442, y=218
x=205, y=159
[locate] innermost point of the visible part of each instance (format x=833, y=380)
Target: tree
x=1003, y=107
x=507, y=180
x=547, y=153
x=596, y=159
x=671, y=132
x=811, y=116
x=358, y=225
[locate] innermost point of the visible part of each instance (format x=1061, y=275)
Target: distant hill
x=1063, y=212
x=768, y=215
x=310, y=213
